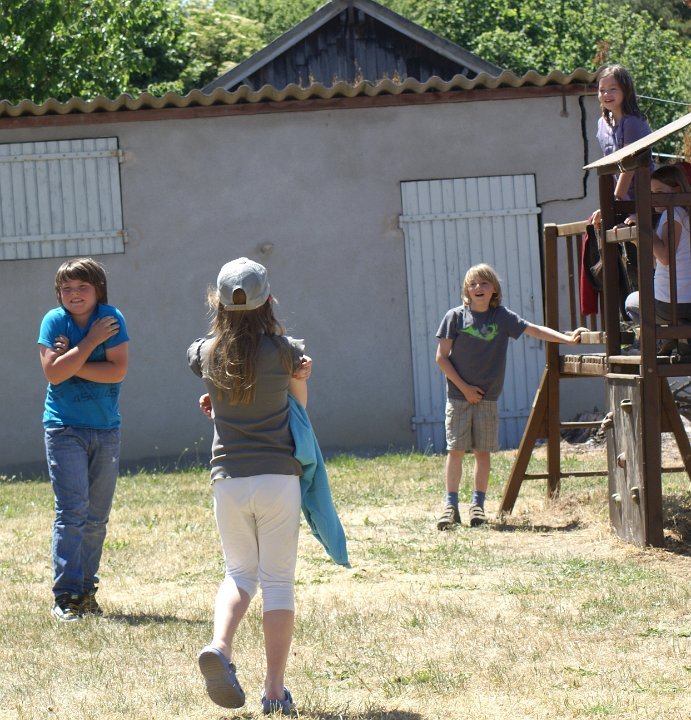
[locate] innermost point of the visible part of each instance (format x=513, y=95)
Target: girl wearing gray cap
x=248, y=367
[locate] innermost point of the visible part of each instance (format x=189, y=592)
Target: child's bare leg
x=222, y=684
x=454, y=470
x=481, y=482
x=278, y=635
x=231, y=606
x=482, y=468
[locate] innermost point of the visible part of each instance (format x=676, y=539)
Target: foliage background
x=84, y=48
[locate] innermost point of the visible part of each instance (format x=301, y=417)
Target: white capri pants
x=258, y=519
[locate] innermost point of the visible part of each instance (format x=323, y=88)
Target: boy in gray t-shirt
x=473, y=342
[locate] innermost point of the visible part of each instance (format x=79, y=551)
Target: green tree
x=545, y=35
x=275, y=16
x=67, y=48
x=216, y=39
x=673, y=14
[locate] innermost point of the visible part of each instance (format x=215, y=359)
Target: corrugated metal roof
x=316, y=91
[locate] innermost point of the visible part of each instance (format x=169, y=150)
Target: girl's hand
x=205, y=405
x=103, y=329
x=305, y=369
x=61, y=344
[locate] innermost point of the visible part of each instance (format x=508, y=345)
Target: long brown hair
x=236, y=335
x=674, y=177
x=629, y=105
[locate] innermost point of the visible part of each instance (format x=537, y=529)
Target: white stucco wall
x=322, y=189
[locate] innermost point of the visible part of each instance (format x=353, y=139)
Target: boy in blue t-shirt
x=84, y=354
x=473, y=342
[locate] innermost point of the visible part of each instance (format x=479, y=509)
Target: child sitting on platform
x=669, y=179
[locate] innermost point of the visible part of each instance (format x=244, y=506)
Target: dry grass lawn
x=544, y=615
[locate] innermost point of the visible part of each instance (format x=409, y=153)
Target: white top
x=683, y=266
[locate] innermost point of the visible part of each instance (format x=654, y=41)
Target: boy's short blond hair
x=485, y=273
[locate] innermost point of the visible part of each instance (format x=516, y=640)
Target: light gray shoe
x=222, y=685
x=278, y=707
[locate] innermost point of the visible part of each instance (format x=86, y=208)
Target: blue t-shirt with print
x=480, y=344
x=77, y=402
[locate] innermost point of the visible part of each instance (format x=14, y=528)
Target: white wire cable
x=671, y=102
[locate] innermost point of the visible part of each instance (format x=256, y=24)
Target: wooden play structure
x=637, y=391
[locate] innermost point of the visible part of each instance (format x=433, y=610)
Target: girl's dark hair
x=672, y=175
x=236, y=335
x=85, y=270
x=623, y=77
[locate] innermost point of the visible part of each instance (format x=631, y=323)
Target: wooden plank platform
x=620, y=234
x=599, y=364
x=598, y=337
x=594, y=364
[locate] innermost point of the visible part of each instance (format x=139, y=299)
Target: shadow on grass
x=151, y=619
x=376, y=714
x=677, y=526
x=503, y=526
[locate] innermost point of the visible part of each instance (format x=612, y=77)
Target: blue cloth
x=317, y=504
x=77, y=402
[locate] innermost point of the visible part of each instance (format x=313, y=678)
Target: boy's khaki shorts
x=472, y=427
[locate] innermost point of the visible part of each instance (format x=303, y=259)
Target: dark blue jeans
x=83, y=466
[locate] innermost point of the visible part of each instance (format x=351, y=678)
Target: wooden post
x=651, y=480
x=533, y=430
x=552, y=351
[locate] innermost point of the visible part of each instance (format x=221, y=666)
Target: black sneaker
x=89, y=605
x=477, y=516
x=67, y=608
x=449, y=518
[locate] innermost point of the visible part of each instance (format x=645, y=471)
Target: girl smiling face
x=611, y=96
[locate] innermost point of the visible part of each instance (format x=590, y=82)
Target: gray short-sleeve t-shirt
x=480, y=344
x=253, y=439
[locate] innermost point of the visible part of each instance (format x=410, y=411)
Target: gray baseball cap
x=243, y=274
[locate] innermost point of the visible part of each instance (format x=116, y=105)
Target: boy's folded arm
x=60, y=365
x=111, y=370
